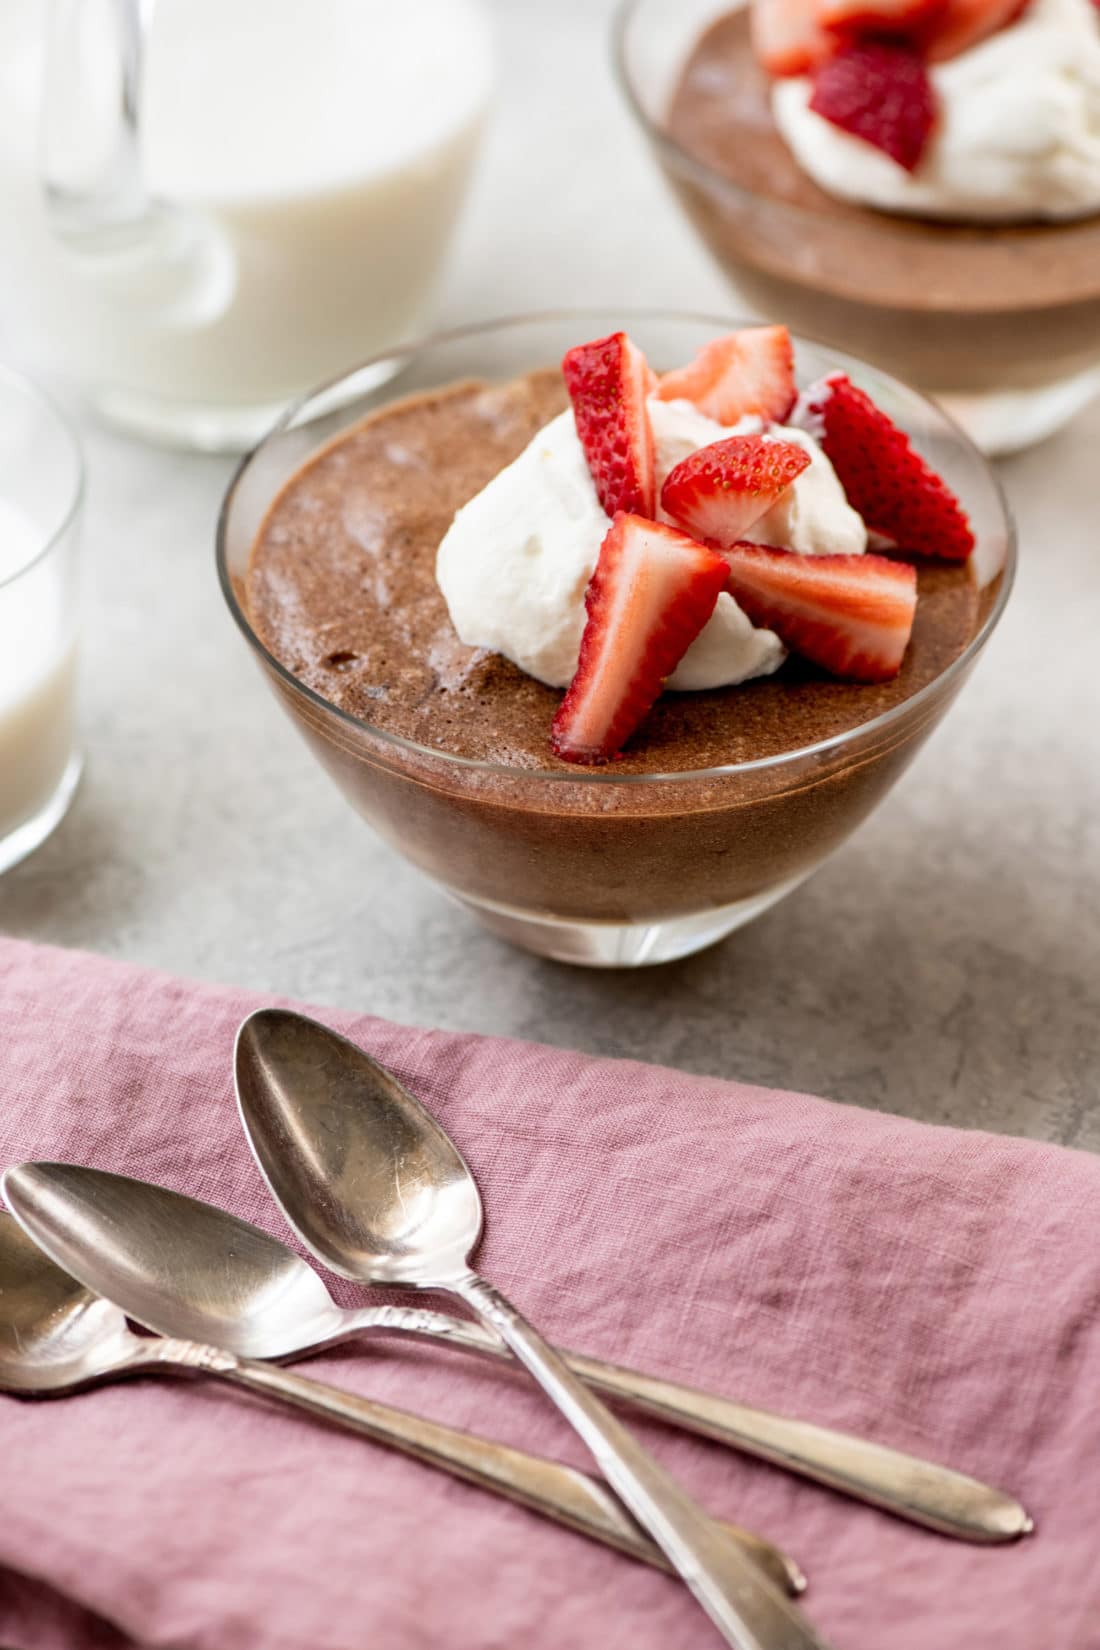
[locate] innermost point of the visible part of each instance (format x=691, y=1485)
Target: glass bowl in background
x=41, y=490
x=1001, y=324
x=588, y=866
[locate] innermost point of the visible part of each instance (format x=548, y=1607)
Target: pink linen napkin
x=935, y=1289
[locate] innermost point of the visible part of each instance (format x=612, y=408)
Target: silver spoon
x=377, y=1191
x=272, y=1305
x=58, y=1335
x=920, y=1491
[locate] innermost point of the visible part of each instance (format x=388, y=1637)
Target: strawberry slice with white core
x=878, y=90
x=895, y=491
x=608, y=381
x=751, y=371
x=852, y=615
x=787, y=37
x=718, y=492
x=652, y=592
x=877, y=17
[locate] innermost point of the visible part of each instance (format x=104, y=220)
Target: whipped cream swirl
x=515, y=562
x=1018, y=133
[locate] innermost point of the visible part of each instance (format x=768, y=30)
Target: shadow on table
x=60, y=892
x=957, y=998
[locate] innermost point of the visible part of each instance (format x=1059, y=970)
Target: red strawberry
x=751, y=371
x=877, y=17
x=652, y=592
x=787, y=37
x=852, y=615
x=608, y=382
x=894, y=490
x=719, y=491
x=879, y=91
x=960, y=24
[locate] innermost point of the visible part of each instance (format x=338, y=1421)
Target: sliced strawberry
x=652, y=592
x=879, y=91
x=608, y=381
x=878, y=17
x=787, y=37
x=894, y=490
x=960, y=24
x=852, y=615
x=717, y=492
x=751, y=371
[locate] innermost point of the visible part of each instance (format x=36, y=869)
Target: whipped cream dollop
x=515, y=562
x=1017, y=134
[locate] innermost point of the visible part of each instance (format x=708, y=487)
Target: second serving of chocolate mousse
x=917, y=181
x=717, y=569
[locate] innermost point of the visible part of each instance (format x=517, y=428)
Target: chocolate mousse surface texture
x=341, y=590
x=720, y=113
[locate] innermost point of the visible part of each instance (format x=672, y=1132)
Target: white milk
x=36, y=674
x=319, y=150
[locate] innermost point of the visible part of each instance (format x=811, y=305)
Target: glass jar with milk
x=210, y=206
x=41, y=484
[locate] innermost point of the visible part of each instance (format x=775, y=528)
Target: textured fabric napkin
x=935, y=1289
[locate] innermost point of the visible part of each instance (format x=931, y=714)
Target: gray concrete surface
x=945, y=965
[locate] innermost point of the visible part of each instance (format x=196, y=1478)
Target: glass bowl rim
x=606, y=775
x=880, y=224
x=12, y=378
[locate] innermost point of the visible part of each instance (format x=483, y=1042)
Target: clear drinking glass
x=589, y=866
x=41, y=488
x=210, y=205
x=1001, y=324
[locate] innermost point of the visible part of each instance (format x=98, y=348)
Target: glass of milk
x=212, y=205
x=41, y=488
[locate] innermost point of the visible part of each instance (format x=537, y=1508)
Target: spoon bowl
x=177, y=1265
x=365, y=1175
x=55, y=1335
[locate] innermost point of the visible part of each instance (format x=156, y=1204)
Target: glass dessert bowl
x=998, y=321
x=639, y=861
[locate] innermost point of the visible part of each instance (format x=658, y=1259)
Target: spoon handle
x=559, y=1492
x=748, y=1611
x=921, y=1491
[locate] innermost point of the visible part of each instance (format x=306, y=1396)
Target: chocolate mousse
x=341, y=590
x=957, y=307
